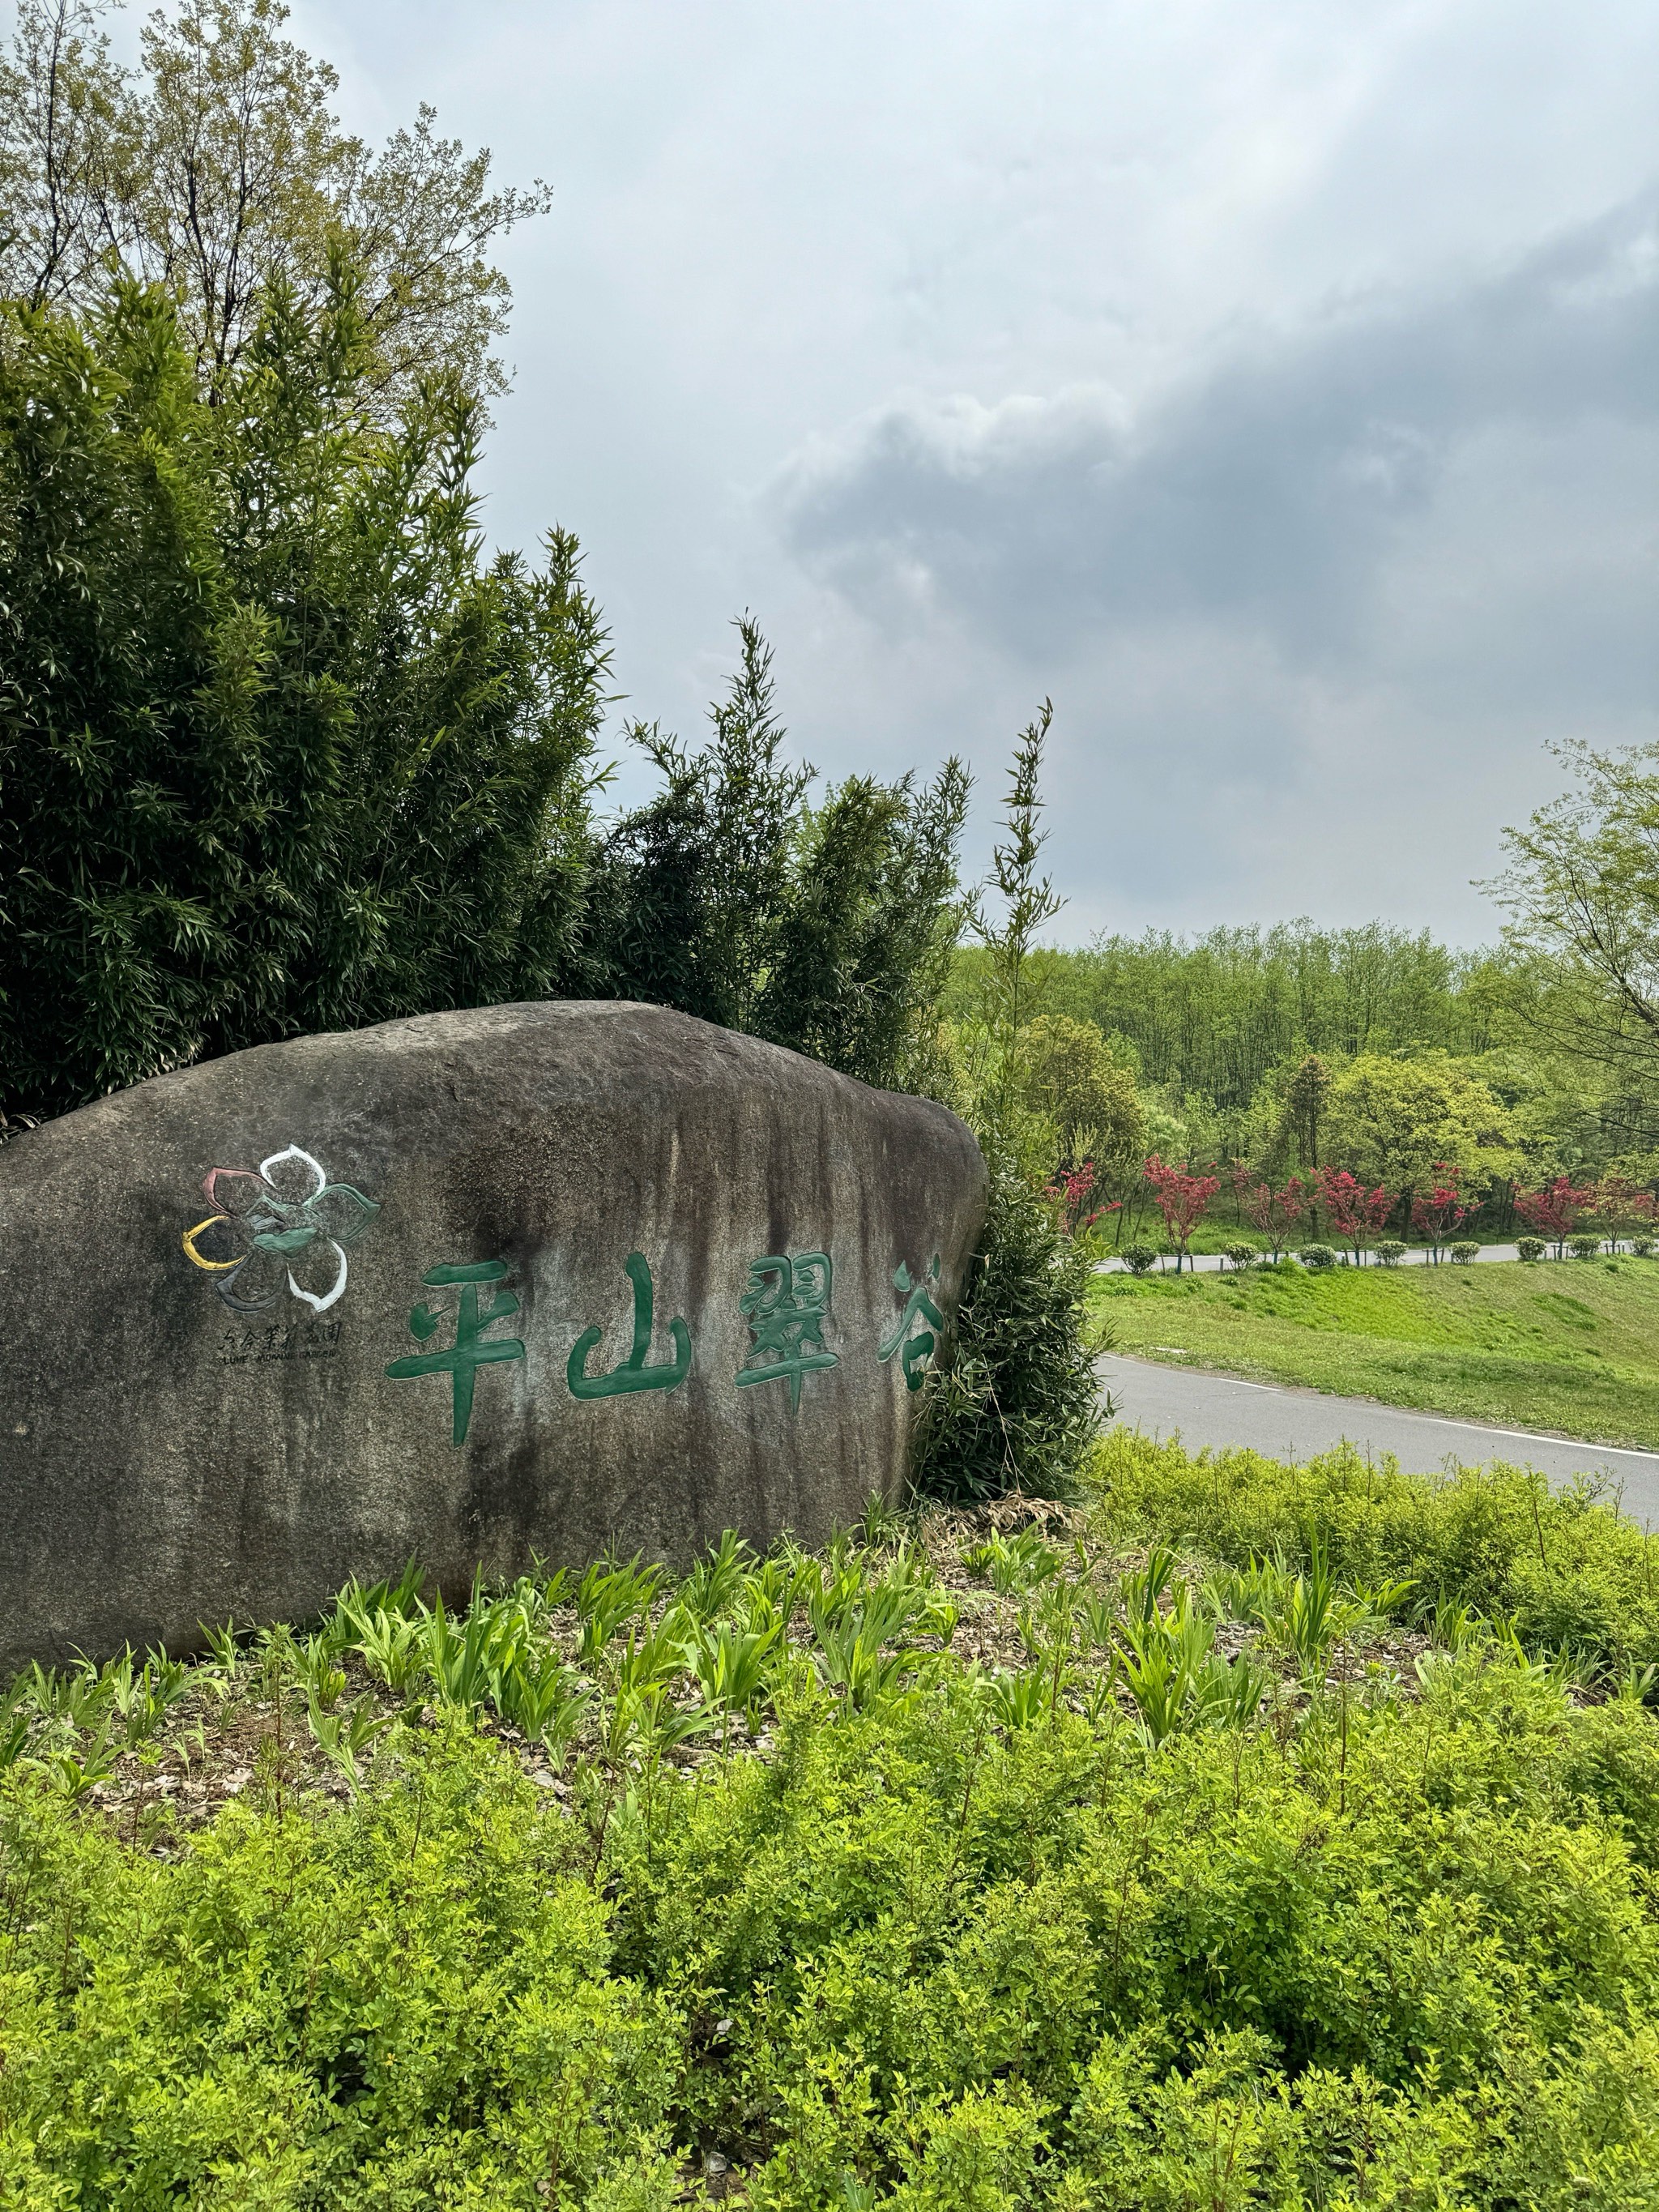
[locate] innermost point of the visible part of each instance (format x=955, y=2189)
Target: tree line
x=1212, y=1015
x=1280, y=1052
x=284, y=747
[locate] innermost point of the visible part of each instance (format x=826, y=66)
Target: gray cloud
x=1314, y=525
x=1271, y=493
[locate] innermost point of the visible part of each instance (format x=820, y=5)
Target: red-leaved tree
x=1070, y=1192
x=1274, y=1214
x=1181, y=1199
x=1622, y=1208
x=1440, y=1209
x=1241, y=1176
x=1356, y=1213
x=1553, y=1212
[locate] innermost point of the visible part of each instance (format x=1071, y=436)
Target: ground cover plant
x=1570, y=1347
x=1026, y=1859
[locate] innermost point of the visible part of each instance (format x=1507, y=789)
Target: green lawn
x=1569, y=1345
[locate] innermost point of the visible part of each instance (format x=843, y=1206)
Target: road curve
x=1216, y=1410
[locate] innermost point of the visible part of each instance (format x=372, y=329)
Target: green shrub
x=1642, y=1246
x=1016, y=1401
x=1240, y=1256
x=1318, y=1256
x=947, y=1947
x=1530, y=1248
x=1390, y=1252
x=1140, y=1258
x=1566, y=1566
x=284, y=747
x=1584, y=1248
x=1465, y=1253
x=1013, y=1401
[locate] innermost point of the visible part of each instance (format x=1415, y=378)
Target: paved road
x=1212, y=1263
x=1287, y=1423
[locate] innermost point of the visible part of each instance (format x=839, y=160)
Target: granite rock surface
x=470, y=1289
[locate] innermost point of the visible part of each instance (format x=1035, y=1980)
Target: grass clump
x=1033, y=1859
x=1566, y=1567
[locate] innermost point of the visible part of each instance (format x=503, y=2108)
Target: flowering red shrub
x=1553, y=1212
x=1181, y=1199
x=1440, y=1210
x=1356, y=1213
x=1274, y=1212
x=1071, y=1191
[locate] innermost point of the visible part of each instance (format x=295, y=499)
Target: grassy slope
x=1572, y=1347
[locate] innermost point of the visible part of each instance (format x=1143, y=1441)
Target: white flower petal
x=321, y=1305
x=293, y=1152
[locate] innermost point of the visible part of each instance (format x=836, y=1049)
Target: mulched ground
x=250, y=1733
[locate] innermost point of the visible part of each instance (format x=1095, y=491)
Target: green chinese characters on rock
x=635, y=1372
x=471, y=1350
x=915, y=1350
x=787, y=1306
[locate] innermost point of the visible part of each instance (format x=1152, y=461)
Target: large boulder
x=471, y=1289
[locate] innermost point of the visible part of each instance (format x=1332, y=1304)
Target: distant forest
x=1212, y=1015
x=1213, y=1029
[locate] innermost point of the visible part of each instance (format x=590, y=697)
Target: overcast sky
x=1274, y=383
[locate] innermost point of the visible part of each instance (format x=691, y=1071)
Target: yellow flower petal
x=212, y=1266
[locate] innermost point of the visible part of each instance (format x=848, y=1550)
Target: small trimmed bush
x=1585, y=1247
x=1140, y=1259
x=1530, y=1248
x=1390, y=1252
x=1317, y=1256
x=1465, y=1253
x=1641, y=1246
x=1240, y=1256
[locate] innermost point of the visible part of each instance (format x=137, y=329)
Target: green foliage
x=1566, y=1567
x=1017, y=1403
x=1177, y=1680
x=1007, y=971
x=1393, y=1121
x=1306, y=1613
x=999, y=1943
x=827, y=930
x=1583, y=893
x=1317, y=1256
x=280, y=750
x=1214, y=1018
x=217, y=168
x=1015, y=1400
x=1089, y=1100
x=1303, y=1106
x=1013, y=1563
x=406, y=2003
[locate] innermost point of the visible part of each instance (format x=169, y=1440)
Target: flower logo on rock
x=283, y=1223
